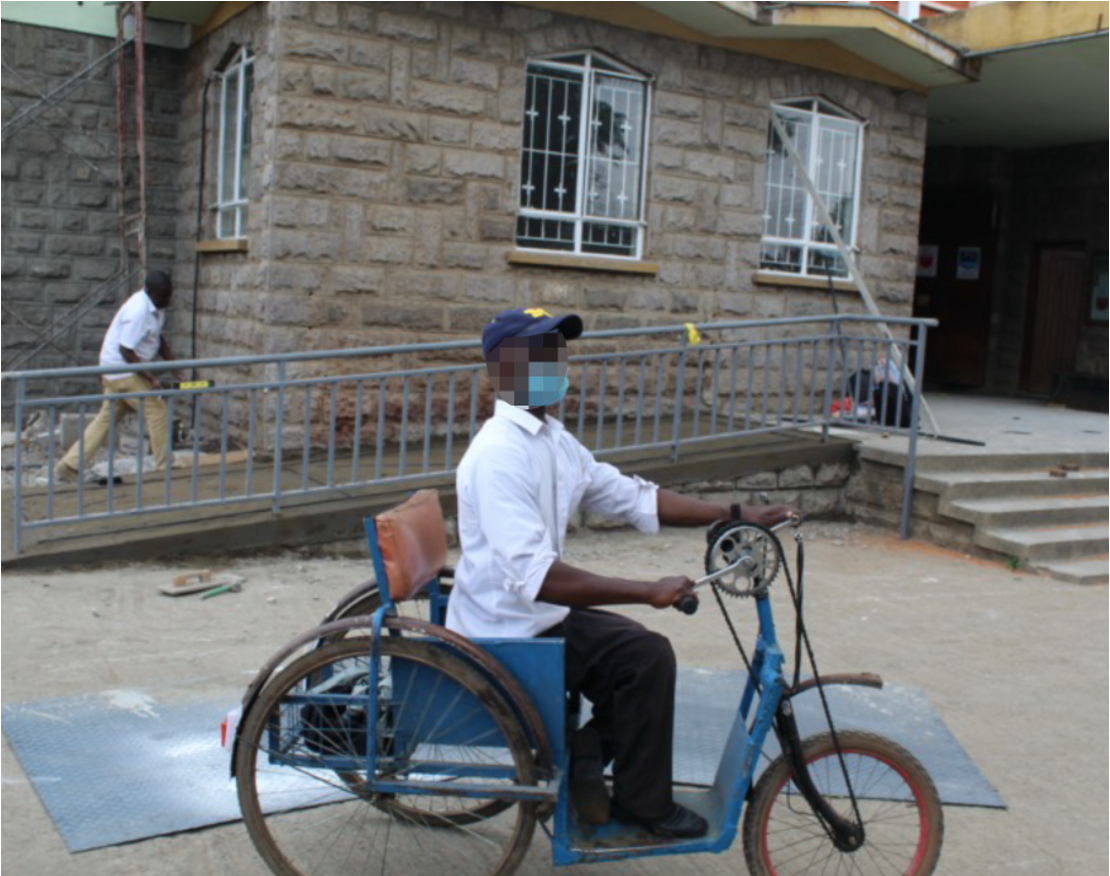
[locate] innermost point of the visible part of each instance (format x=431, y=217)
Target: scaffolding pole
x=132, y=225
x=850, y=260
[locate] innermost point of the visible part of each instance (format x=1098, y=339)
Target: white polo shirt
x=518, y=485
x=137, y=325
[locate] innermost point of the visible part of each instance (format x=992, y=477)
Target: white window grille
x=829, y=143
x=233, y=157
x=583, y=158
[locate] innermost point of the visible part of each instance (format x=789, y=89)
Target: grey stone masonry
x=385, y=170
x=61, y=212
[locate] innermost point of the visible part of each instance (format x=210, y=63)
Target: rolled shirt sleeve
x=621, y=497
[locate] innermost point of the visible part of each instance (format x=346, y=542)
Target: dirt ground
x=1016, y=665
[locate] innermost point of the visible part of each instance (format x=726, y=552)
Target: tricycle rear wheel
x=311, y=811
x=902, y=818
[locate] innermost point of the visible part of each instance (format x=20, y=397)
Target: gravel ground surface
x=1016, y=665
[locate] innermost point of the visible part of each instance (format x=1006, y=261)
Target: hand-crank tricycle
x=383, y=743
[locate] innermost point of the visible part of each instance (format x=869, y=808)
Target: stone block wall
x=385, y=179
x=61, y=212
x=385, y=169
x=874, y=495
x=231, y=312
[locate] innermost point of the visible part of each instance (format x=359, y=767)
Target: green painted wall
x=93, y=18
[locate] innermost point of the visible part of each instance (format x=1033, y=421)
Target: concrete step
x=1036, y=545
x=1039, y=511
x=999, y=462
x=1095, y=570
x=956, y=485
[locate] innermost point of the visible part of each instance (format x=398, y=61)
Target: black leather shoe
x=681, y=823
x=587, y=778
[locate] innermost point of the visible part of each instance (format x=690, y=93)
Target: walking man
x=134, y=337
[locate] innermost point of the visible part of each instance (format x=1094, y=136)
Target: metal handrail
x=398, y=425
x=398, y=349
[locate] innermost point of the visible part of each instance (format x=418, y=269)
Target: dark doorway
x=956, y=286
x=1057, y=296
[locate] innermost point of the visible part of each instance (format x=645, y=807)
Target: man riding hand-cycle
x=519, y=484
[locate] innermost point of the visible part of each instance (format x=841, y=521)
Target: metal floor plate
x=707, y=701
x=120, y=766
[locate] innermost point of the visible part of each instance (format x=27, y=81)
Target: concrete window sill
x=585, y=263
x=209, y=246
x=818, y=284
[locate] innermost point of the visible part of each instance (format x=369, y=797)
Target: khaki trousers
x=96, y=433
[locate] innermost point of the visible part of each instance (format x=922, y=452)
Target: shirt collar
x=148, y=305
x=525, y=420
x=519, y=416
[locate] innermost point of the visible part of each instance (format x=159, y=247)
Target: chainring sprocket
x=756, y=547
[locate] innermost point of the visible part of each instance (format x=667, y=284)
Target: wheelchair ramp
x=121, y=766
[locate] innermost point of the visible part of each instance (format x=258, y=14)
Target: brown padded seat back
x=413, y=542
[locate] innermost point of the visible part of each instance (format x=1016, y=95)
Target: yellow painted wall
x=223, y=13
x=999, y=25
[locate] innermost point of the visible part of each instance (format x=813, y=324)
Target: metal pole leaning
x=845, y=251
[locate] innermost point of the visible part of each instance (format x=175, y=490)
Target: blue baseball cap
x=522, y=322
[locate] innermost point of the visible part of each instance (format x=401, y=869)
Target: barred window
x=583, y=157
x=233, y=157
x=829, y=142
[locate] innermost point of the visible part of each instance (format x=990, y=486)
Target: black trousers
x=627, y=672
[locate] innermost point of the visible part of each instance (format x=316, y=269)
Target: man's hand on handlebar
x=669, y=591
x=769, y=515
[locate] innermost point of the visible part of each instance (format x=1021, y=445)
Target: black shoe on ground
x=681, y=823
x=587, y=778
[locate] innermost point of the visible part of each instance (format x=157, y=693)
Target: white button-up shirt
x=137, y=325
x=518, y=485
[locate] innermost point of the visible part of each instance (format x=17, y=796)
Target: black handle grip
x=687, y=604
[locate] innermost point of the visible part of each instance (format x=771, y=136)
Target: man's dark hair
x=158, y=281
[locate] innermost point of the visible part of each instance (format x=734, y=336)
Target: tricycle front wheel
x=442, y=735
x=902, y=818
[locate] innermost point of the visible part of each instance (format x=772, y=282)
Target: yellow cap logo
x=537, y=312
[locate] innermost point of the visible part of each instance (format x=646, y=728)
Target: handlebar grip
x=687, y=604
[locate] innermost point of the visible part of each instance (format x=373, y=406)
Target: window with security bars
x=829, y=144
x=233, y=156
x=582, y=162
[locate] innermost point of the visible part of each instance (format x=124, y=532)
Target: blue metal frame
x=722, y=803
x=538, y=666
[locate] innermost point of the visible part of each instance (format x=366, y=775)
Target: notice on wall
x=968, y=260
x=1100, y=304
x=927, y=257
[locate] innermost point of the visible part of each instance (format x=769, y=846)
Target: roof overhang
x=1045, y=94
x=864, y=41
x=194, y=14
x=1042, y=76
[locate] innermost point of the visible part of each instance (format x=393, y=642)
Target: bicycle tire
x=308, y=818
x=363, y=606
x=902, y=817
x=369, y=601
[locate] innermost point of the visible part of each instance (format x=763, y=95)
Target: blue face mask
x=545, y=386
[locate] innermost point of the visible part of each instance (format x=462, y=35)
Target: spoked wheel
x=370, y=600
x=460, y=810
x=902, y=819
x=441, y=729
